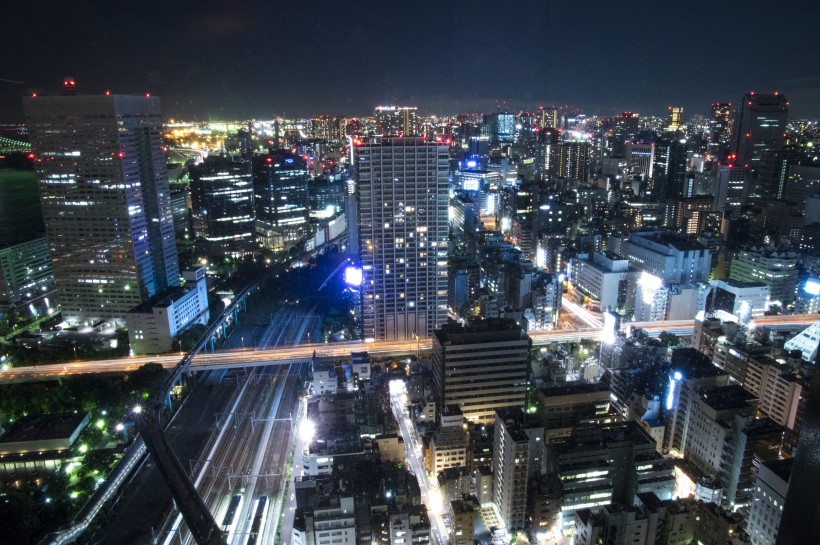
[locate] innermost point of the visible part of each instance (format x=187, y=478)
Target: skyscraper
x=675, y=118
x=222, y=205
x=282, y=199
x=402, y=195
x=481, y=367
x=105, y=199
x=720, y=122
x=759, y=127
x=625, y=127
x=572, y=160
x=397, y=121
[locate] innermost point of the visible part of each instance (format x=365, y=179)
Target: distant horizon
x=422, y=110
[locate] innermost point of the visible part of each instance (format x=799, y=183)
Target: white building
x=675, y=260
x=778, y=270
x=402, y=191
x=743, y=300
x=153, y=325
x=327, y=525
x=603, y=278
x=806, y=342
x=769, y=496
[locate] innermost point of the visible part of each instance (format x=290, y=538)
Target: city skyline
x=223, y=63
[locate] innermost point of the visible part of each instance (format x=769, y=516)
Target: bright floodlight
x=137, y=409
x=610, y=324
x=119, y=427
x=396, y=387
x=353, y=276
x=307, y=429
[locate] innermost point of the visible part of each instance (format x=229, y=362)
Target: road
x=252, y=357
x=430, y=494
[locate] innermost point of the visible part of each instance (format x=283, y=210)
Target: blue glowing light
x=677, y=375
x=288, y=160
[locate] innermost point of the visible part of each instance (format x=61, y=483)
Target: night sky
x=222, y=60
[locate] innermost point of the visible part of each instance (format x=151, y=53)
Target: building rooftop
x=727, y=397
x=574, y=389
x=781, y=468
x=43, y=427
x=486, y=330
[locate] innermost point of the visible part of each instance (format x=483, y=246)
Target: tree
x=669, y=339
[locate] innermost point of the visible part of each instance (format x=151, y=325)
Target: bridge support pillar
x=236, y=315
x=211, y=344
x=168, y=402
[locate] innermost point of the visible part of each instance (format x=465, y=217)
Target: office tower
x=518, y=456
x=402, y=195
x=675, y=118
x=481, y=367
x=773, y=173
x=397, y=121
x=778, y=270
x=690, y=214
x=106, y=206
x=625, y=127
x=181, y=211
x=222, y=205
x=766, y=509
x=721, y=123
x=640, y=158
x=759, y=127
x=282, y=199
x=503, y=128
x=602, y=279
x=572, y=161
x=672, y=259
x=27, y=279
x=608, y=463
x=732, y=189
x=669, y=169
x=550, y=118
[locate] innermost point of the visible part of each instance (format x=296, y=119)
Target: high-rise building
x=222, y=205
x=732, y=189
x=778, y=270
x=503, y=128
x=669, y=169
x=481, y=367
x=625, y=127
x=402, y=194
x=105, y=199
x=721, y=122
x=572, y=161
x=767, y=502
x=760, y=127
x=518, y=456
x=26, y=278
x=675, y=118
x=397, y=121
x=282, y=199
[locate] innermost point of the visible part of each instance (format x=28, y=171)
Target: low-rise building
x=154, y=325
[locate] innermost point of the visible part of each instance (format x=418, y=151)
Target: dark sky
x=221, y=60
